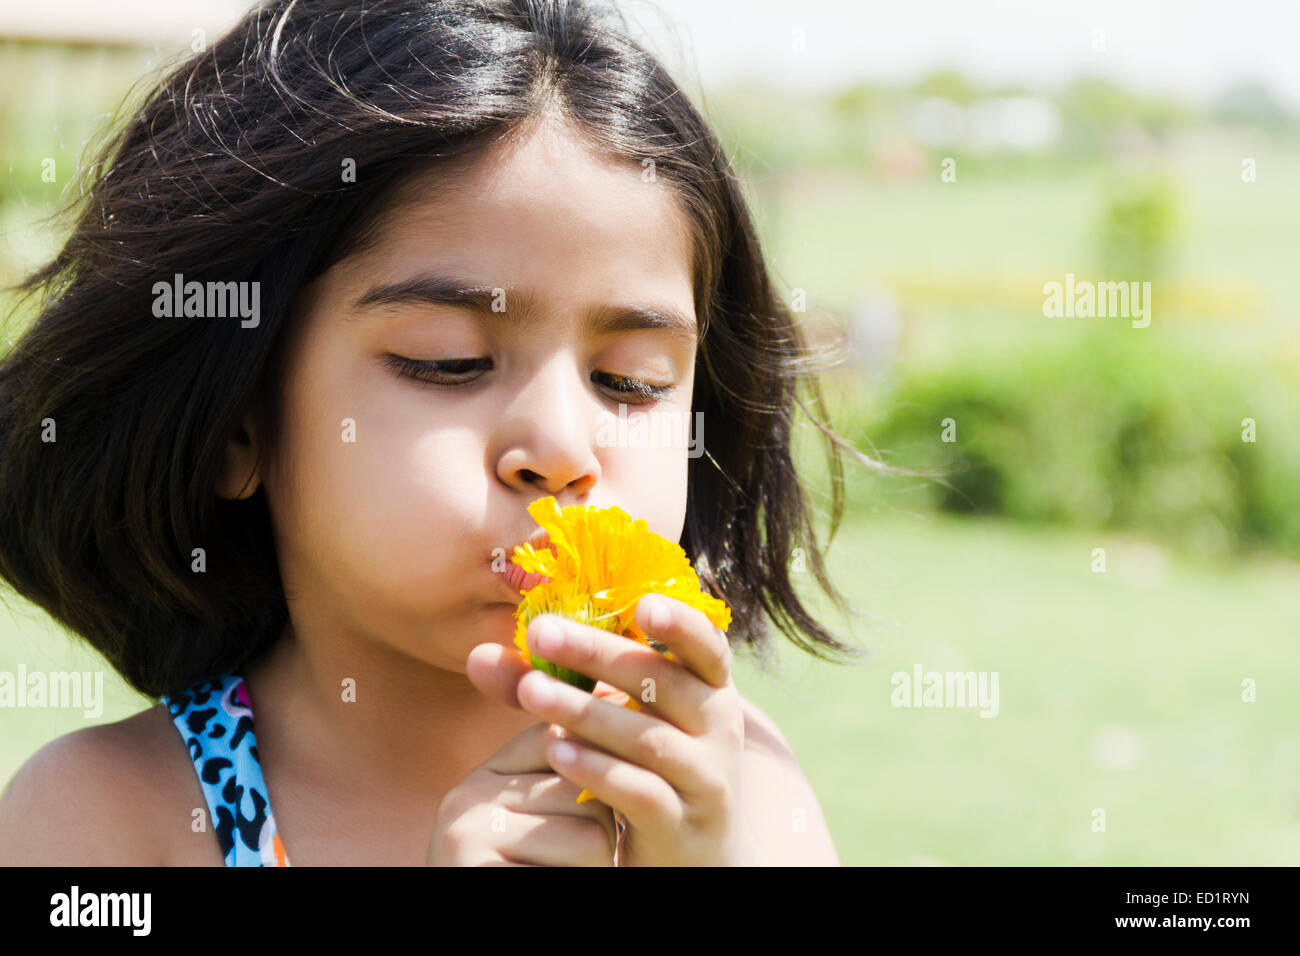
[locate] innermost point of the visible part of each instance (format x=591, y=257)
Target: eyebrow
x=441, y=290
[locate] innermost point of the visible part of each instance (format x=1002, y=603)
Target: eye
x=441, y=372
x=462, y=371
x=624, y=386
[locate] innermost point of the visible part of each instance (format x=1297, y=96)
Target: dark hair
x=231, y=170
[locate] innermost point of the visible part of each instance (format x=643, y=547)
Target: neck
x=355, y=716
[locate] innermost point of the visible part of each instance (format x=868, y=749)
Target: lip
x=515, y=578
x=519, y=580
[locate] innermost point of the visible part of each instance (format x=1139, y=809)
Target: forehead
x=544, y=210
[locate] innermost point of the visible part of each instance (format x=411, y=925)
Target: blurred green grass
x=1141, y=665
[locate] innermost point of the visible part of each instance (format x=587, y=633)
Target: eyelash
x=419, y=369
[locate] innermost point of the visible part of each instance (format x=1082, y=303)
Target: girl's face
x=392, y=495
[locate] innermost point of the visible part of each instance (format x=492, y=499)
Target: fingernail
x=543, y=694
x=565, y=752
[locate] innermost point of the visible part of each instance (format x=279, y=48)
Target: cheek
x=648, y=479
x=379, y=488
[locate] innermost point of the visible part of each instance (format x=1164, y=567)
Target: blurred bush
x=1111, y=429
x=1138, y=226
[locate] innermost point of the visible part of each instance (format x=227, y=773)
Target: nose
x=547, y=435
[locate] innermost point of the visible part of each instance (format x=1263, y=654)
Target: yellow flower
x=566, y=599
x=600, y=563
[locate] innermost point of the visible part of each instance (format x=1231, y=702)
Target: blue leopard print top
x=215, y=719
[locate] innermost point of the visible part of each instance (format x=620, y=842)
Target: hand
x=671, y=769
x=512, y=810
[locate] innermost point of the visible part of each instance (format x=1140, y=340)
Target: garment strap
x=215, y=719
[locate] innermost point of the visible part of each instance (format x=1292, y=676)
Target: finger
x=533, y=786
x=549, y=794
x=525, y=752
x=556, y=841
x=689, y=634
x=495, y=670
x=646, y=801
x=658, y=685
x=639, y=738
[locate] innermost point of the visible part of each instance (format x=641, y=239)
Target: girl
x=354, y=287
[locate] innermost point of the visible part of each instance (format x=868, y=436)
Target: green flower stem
x=580, y=681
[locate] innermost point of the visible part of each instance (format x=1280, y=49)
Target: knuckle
x=655, y=745
x=466, y=830
x=449, y=807
x=538, y=790
x=669, y=810
x=722, y=657
x=654, y=803
x=649, y=805
x=724, y=711
x=453, y=837
x=715, y=788
x=716, y=708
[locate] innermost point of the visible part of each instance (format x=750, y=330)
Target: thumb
x=496, y=670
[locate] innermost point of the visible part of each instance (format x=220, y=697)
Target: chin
x=501, y=626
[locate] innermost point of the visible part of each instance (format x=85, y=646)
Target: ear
x=239, y=477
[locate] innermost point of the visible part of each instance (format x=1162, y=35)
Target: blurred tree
x=1250, y=102
x=949, y=84
x=1106, y=106
x=856, y=101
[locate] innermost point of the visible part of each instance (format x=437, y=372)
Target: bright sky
x=1187, y=47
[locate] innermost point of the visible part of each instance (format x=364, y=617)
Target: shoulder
x=109, y=795
x=787, y=820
